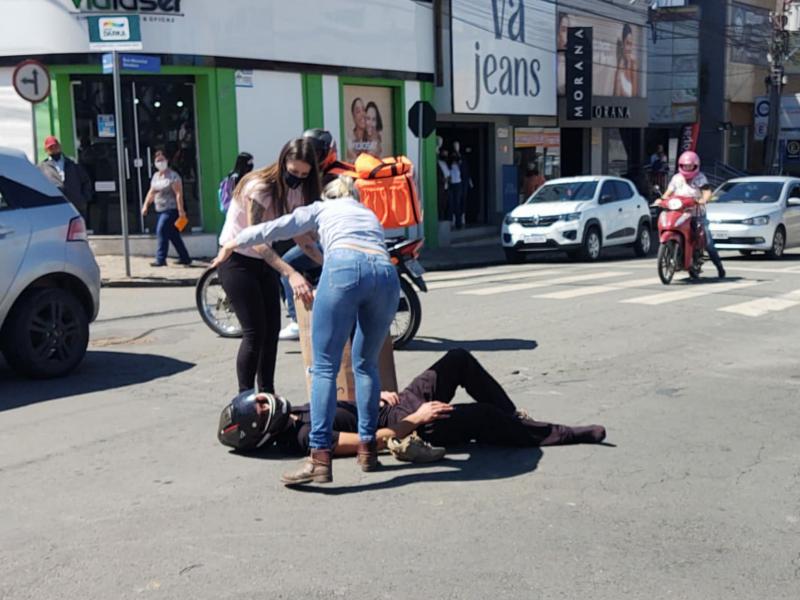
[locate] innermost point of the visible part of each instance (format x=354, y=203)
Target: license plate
x=720, y=235
x=535, y=239
x=415, y=268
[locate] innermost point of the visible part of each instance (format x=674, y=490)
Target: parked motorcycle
x=217, y=312
x=683, y=241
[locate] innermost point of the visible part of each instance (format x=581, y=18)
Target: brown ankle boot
x=367, y=455
x=317, y=468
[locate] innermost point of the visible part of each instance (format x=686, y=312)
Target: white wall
x=269, y=114
x=16, y=130
x=379, y=34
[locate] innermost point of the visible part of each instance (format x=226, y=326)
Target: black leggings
x=252, y=286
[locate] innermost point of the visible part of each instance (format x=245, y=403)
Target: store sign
x=688, y=139
x=172, y=7
x=792, y=150
x=115, y=33
x=503, y=57
x=133, y=62
x=579, y=73
x=611, y=112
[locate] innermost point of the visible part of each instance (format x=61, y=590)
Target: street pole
x=123, y=190
x=420, y=191
x=778, y=53
x=35, y=142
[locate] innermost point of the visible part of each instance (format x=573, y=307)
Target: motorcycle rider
x=690, y=182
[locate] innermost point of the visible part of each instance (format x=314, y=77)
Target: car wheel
x=592, y=245
x=514, y=257
x=778, y=243
x=47, y=333
x=644, y=241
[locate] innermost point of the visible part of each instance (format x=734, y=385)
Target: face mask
x=161, y=165
x=293, y=181
x=56, y=156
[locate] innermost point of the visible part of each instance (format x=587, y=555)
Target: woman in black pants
x=251, y=277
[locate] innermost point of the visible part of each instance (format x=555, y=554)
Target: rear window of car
x=17, y=195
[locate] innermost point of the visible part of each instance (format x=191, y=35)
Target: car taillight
x=77, y=230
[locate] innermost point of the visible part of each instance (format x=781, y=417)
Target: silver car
x=756, y=213
x=49, y=279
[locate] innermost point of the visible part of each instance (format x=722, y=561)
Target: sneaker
x=414, y=449
x=158, y=264
x=290, y=332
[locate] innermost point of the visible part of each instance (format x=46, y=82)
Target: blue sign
x=142, y=63
x=510, y=189
x=106, y=127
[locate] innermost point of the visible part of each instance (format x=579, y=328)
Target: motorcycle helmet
x=324, y=146
x=242, y=427
x=689, y=165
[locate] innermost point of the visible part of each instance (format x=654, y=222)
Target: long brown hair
x=273, y=175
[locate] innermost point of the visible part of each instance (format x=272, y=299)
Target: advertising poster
x=503, y=57
x=368, y=121
x=619, y=55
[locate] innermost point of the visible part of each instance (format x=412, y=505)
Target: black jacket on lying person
x=492, y=419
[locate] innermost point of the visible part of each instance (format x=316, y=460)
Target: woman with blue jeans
x=166, y=192
x=359, y=288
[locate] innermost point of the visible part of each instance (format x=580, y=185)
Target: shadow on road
x=436, y=344
x=488, y=463
x=100, y=370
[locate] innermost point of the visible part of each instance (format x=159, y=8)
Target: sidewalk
x=112, y=268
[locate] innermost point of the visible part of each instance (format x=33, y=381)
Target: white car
x=49, y=279
x=756, y=213
x=580, y=215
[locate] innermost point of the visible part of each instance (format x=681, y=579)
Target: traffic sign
x=115, y=32
x=32, y=81
x=760, y=118
x=422, y=119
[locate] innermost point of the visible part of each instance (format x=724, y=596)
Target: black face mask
x=56, y=156
x=293, y=181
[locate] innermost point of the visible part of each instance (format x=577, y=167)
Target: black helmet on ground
x=324, y=146
x=244, y=425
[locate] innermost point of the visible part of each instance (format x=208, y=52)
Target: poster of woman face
x=618, y=55
x=368, y=121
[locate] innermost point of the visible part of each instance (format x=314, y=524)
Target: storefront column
x=597, y=159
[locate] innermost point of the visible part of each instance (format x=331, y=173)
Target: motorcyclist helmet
x=245, y=426
x=324, y=146
x=689, y=165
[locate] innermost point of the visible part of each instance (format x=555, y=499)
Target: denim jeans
x=299, y=261
x=711, y=247
x=166, y=233
x=356, y=289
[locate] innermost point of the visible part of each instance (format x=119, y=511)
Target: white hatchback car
x=580, y=215
x=756, y=213
x=49, y=279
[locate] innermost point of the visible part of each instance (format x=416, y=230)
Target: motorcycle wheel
x=408, y=317
x=214, y=307
x=667, y=261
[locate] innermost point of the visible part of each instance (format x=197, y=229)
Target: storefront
x=203, y=97
x=498, y=76
x=602, y=81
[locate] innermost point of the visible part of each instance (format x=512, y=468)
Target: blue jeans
x=711, y=248
x=299, y=261
x=356, y=289
x=166, y=232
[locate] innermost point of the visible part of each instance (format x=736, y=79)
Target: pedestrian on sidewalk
x=166, y=192
x=68, y=176
x=251, y=277
x=358, y=290
x=242, y=166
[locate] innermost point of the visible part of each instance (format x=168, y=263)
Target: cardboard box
x=345, y=380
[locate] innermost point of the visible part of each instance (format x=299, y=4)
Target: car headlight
x=509, y=220
x=571, y=216
x=764, y=220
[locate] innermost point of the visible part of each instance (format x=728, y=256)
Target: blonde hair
x=341, y=187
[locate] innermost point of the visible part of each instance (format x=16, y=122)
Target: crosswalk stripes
x=598, y=289
x=762, y=306
x=695, y=292
x=440, y=285
x=516, y=287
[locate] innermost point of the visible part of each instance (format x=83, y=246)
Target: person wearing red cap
x=67, y=175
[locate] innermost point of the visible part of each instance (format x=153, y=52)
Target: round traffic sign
x=762, y=108
x=32, y=81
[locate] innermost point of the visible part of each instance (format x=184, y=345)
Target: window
x=564, y=192
x=21, y=196
x=3, y=204
x=795, y=193
x=608, y=192
x=624, y=191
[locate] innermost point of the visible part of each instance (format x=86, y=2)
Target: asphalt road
x=114, y=486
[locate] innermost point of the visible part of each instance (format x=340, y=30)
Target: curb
x=147, y=283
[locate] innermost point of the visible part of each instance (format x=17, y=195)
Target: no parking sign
x=760, y=118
